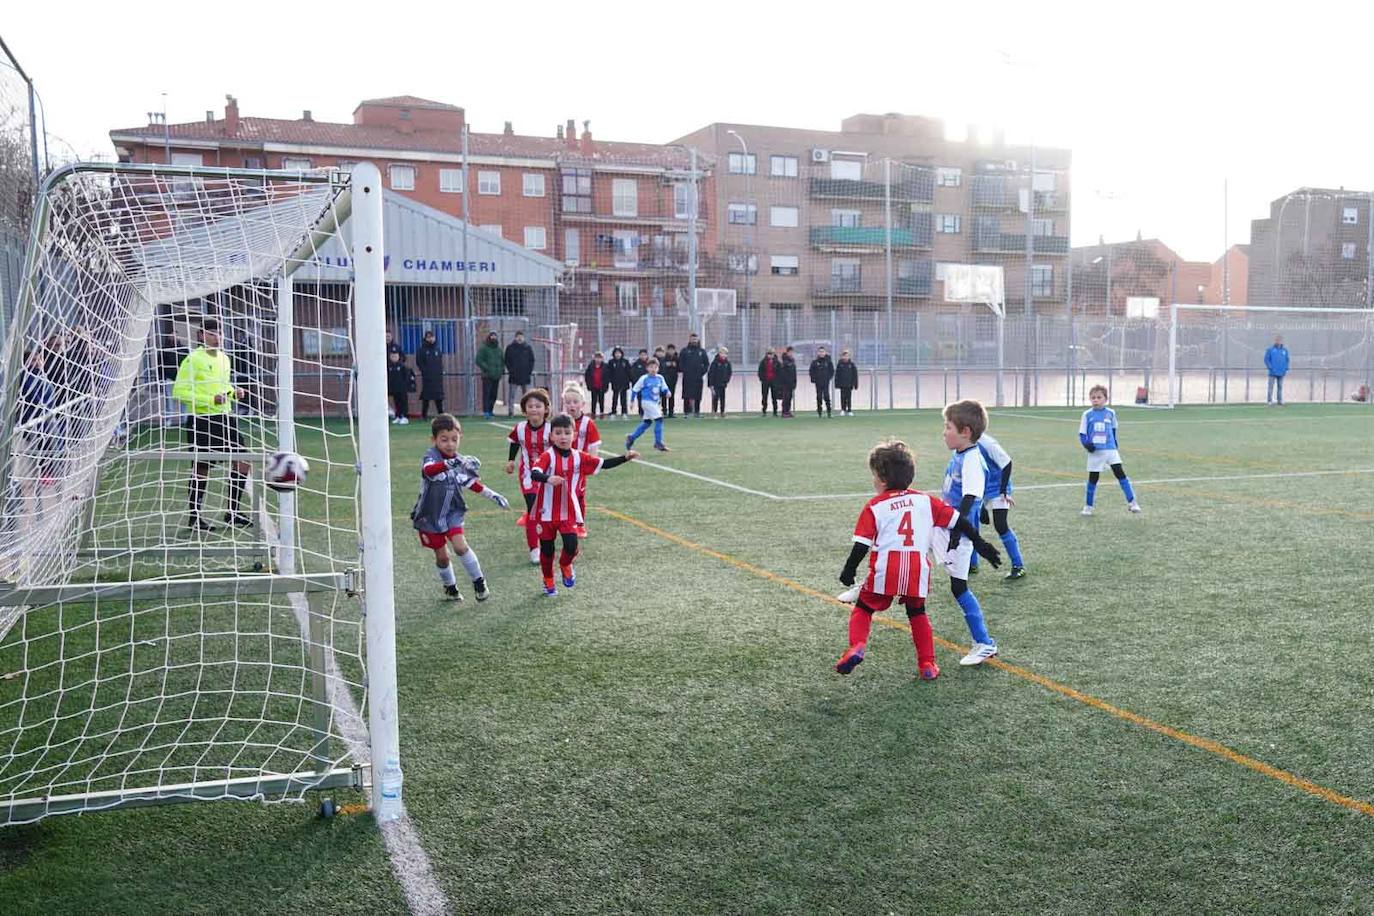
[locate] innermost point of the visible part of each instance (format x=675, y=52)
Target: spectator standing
x=717, y=378
x=787, y=379
x=1276, y=361
x=393, y=347
x=429, y=359
x=619, y=367
x=846, y=380
x=822, y=371
x=400, y=381
x=638, y=369
x=669, y=368
x=768, y=380
x=519, y=369
x=693, y=362
x=598, y=379
x=491, y=363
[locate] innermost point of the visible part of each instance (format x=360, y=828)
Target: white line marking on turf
x=409, y=861
x=1267, y=419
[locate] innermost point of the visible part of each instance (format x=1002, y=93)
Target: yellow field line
x=1205, y=744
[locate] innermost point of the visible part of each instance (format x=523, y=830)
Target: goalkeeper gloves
x=847, y=576
x=497, y=498
x=983, y=516
x=987, y=552
x=470, y=463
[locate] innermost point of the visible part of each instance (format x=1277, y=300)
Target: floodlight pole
x=692, y=318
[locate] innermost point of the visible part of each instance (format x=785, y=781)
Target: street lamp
x=749, y=232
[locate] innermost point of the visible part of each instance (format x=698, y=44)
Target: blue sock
x=658, y=431
x=1126, y=488
x=639, y=430
x=973, y=616
x=1013, y=548
x=1092, y=491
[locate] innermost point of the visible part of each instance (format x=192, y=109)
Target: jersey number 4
x=905, y=530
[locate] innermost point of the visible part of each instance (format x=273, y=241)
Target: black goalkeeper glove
x=988, y=552
x=983, y=516
x=847, y=577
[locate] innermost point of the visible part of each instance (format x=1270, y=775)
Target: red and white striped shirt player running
x=528, y=441
x=586, y=437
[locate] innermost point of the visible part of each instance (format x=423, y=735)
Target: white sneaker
x=534, y=555
x=1087, y=510
x=395, y=420
x=979, y=653
x=1135, y=507
x=403, y=421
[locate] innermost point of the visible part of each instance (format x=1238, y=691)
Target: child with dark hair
x=649, y=391
x=964, y=489
x=669, y=368
x=717, y=378
x=894, y=531
x=598, y=379
x=439, y=510
x=528, y=440
x=787, y=379
x=619, y=368
x=556, y=511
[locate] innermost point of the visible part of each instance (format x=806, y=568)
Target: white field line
x=409, y=861
x=1214, y=420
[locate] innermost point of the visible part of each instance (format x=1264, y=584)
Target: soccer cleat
x=480, y=587
x=550, y=591
x=452, y=594
x=930, y=672
x=196, y=523
x=979, y=653
x=1087, y=510
x=238, y=520
x=569, y=577
x=523, y=519
x=629, y=443
x=851, y=659
x=534, y=555
x=403, y=421
x=660, y=447
x=1135, y=507
x=1017, y=572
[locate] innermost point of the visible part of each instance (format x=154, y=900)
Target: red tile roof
x=410, y=101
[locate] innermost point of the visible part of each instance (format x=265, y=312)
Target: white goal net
x=171, y=629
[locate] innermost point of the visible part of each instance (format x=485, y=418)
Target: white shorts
x=955, y=562
x=996, y=502
x=652, y=410
x=1102, y=459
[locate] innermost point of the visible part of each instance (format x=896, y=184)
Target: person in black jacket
x=519, y=370
x=400, y=381
x=769, y=367
x=598, y=378
x=694, y=362
x=846, y=380
x=619, y=368
x=822, y=371
x=638, y=369
x=717, y=377
x=668, y=368
x=429, y=359
x=787, y=379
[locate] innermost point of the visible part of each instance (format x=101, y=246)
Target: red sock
x=531, y=534
x=546, y=565
x=565, y=562
x=860, y=623
x=924, y=639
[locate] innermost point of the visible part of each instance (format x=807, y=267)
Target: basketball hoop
x=983, y=284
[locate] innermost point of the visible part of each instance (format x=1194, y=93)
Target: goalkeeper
x=203, y=384
x=439, y=509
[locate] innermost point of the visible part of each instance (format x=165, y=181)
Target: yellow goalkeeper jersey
x=202, y=375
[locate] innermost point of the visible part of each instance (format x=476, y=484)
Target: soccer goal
x=145, y=659
x=1213, y=354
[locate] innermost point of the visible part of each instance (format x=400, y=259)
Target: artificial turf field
x=1179, y=720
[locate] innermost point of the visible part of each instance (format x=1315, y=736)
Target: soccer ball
x=285, y=471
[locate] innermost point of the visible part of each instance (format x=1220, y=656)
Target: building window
x=451, y=181
x=847, y=218
x=489, y=183
x=493, y=228
x=785, y=265
x=255, y=162
x=572, y=247
x=626, y=243
x=1348, y=251
x=741, y=263
x=625, y=197
x=742, y=214
x=1350, y=216
x=534, y=184
x=536, y=238
x=782, y=166
x=294, y=164
x=1042, y=228
x=844, y=275
x=846, y=169
x=402, y=177
x=949, y=177
x=627, y=298
x=682, y=200
x=1042, y=280
x=947, y=223
x=742, y=164
x=577, y=190
x=784, y=217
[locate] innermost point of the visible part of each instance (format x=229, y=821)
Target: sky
x=1170, y=108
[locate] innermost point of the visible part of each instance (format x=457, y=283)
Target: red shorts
x=435, y=541
x=878, y=602
x=547, y=531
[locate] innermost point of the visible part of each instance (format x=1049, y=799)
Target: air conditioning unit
x=820, y=155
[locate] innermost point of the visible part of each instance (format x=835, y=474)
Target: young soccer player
x=439, y=510
x=649, y=391
x=998, y=500
x=556, y=512
x=965, y=422
x=528, y=440
x=1100, y=434
x=896, y=526
x=586, y=438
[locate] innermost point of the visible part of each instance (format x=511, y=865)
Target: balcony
x=1015, y=243
x=872, y=238
x=918, y=283
x=919, y=189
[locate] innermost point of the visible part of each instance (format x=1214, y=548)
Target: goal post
x=1214, y=354
x=171, y=629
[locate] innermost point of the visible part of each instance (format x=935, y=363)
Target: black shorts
x=218, y=432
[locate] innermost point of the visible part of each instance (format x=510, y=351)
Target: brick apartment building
x=1113, y=277
x=1313, y=250
x=803, y=215
x=616, y=214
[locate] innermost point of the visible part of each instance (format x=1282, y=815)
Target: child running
x=896, y=526
x=528, y=440
x=439, y=510
x=649, y=390
x=586, y=438
x=556, y=511
x=1100, y=434
x=998, y=500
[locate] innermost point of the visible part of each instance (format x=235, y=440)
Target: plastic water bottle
x=391, y=806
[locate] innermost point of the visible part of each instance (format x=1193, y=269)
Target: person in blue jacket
x=1276, y=361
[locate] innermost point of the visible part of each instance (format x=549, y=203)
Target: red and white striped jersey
x=585, y=434
x=559, y=503
x=896, y=526
x=533, y=442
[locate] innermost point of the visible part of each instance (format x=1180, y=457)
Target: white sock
x=469, y=561
x=446, y=575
